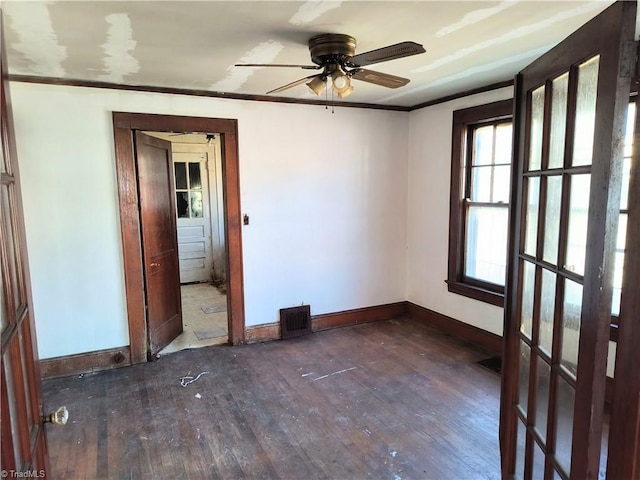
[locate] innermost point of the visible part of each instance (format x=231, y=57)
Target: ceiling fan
x=334, y=54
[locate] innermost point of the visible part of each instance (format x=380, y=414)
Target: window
x=624, y=208
x=632, y=114
x=188, y=189
x=479, y=205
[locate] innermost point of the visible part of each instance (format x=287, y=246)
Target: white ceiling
x=194, y=45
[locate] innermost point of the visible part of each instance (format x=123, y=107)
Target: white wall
x=347, y=210
x=326, y=194
x=430, y=133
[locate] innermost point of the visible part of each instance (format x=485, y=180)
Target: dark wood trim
x=124, y=125
x=119, y=357
x=475, y=292
x=262, y=333
x=465, y=93
x=325, y=321
x=463, y=331
x=513, y=283
x=131, y=243
x=613, y=332
x=608, y=391
x=604, y=205
x=358, y=315
x=624, y=458
x=609, y=35
x=85, y=362
x=23, y=443
x=461, y=142
x=68, y=82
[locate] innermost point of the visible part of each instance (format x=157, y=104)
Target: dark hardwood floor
x=386, y=400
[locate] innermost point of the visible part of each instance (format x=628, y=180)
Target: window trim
x=456, y=280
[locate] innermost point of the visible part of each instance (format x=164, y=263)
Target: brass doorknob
x=58, y=417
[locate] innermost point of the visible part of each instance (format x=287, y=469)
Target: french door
x=570, y=111
x=22, y=440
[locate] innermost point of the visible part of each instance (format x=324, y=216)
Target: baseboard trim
x=359, y=315
x=464, y=331
x=262, y=333
x=326, y=321
x=120, y=357
x=85, y=362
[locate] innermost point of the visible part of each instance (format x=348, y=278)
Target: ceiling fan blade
x=379, y=78
x=306, y=67
x=384, y=54
x=291, y=85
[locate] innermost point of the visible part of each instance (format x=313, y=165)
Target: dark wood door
x=569, y=129
x=24, y=449
x=159, y=241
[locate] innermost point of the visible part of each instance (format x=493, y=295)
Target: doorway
x=197, y=190
x=125, y=126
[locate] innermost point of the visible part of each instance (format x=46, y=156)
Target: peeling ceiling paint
x=511, y=36
x=236, y=77
x=120, y=43
x=472, y=72
x=37, y=41
x=311, y=10
x=194, y=44
x=474, y=17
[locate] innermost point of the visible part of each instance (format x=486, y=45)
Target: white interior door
x=193, y=212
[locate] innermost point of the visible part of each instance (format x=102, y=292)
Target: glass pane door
x=565, y=209
x=552, y=259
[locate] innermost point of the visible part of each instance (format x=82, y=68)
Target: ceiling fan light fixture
x=335, y=55
x=317, y=84
x=345, y=93
x=340, y=82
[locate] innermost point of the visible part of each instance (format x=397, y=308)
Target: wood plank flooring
x=387, y=400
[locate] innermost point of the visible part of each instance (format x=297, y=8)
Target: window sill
x=494, y=298
x=475, y=292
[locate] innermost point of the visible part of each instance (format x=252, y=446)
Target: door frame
x=124, y=125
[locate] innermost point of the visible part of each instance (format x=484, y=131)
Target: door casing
x=124, y=125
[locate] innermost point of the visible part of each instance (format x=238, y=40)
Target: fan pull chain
x=326, y=96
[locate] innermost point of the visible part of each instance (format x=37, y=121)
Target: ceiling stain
x=311, y=10
x=37, y=41
x=266, y=52
x=119, y=61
